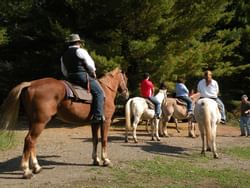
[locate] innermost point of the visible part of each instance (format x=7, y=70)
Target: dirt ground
x=64, y=151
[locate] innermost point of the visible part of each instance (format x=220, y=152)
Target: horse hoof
x=209, y=149
x=126, y=140
x=136, y=141
x=37, y=170
x=107, y=162
x=96, y=163
x=28, y=175
x=152, y=139
x=216, y=156
x=203, y=153
x=158, y=139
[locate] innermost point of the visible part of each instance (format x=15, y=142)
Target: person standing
x=147, y=91
x=245, y=116
x=79, y=68
x=209, y=88
x=182, y=93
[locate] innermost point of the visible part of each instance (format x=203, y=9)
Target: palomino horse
x=138, y=108
x=172, y=108
x=207, y=115
x=44, y=98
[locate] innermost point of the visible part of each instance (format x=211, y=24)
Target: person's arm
x=217, y=87
x=84, y=55
x=63, y=68
x=185, y=89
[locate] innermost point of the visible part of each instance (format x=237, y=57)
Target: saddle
x=77, y=93
x=180, y=102
x=150, y=104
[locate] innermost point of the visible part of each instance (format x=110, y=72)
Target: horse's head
x=123, y=89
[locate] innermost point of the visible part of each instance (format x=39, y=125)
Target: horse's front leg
x=95, y=129
x=104, y=137
x=155, y=129
x=176, y=125
x=191, y=129
x=164, y=127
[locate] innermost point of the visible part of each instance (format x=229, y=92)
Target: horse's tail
x=207, y=123
x=10, y=108
x=128, y=114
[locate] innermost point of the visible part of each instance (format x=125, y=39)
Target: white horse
x=138, y=109
x=207, y=115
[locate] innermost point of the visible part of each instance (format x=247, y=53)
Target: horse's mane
x=109, y=76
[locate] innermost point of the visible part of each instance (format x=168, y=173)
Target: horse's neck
x=195, y=97
x=109, y=85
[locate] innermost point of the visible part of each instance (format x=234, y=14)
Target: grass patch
x=240, y=152
x=168, y=172
x=7, y=139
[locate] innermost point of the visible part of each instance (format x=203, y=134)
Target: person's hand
x=246, y=112
x=93, y=75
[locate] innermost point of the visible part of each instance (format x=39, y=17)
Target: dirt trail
x=65, y=152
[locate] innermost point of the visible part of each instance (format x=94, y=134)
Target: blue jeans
x=188, y=101
x=245, y=124
x=222, y=108
x=157, y=105
x=82, y=79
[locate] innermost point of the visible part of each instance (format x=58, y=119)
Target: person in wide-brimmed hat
x=79, y=68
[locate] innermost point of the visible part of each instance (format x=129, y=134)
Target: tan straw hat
x=74, y=38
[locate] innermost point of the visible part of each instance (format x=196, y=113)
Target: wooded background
x=166, y=38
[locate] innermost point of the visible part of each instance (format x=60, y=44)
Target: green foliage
x=164, y=37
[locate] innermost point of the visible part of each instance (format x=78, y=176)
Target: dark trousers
x=82, y=79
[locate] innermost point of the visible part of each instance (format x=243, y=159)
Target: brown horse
x=45, y=98
x=172, y=108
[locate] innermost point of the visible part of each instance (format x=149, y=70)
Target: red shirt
x=147, y=88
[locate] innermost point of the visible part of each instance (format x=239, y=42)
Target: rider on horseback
x=79, y=68
x=147, y=91
x=209, y=88
x=182, y=93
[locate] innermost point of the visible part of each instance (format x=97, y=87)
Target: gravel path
x=64, y=152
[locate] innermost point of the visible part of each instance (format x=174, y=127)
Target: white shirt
x=82, y=54
x=210, y=91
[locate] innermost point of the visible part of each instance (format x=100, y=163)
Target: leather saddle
x=77, y=93
x=180, y=102
x=150, y=104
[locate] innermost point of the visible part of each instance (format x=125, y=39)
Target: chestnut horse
x=45, y=98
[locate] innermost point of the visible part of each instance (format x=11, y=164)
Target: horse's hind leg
x=29, y=151
x=135, y=123
x=202, y=131
x=214, y=149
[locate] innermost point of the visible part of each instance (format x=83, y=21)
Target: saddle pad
x=77, y=93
